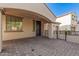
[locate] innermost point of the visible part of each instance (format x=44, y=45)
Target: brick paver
x=39, y=46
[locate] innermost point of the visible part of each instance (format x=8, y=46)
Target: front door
x=38, y=28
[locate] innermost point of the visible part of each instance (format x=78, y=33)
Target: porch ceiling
x=39, y=8
x=17, y=12
x=23, y=13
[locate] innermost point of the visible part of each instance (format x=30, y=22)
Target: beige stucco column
x=0, y=31
x=50, y=30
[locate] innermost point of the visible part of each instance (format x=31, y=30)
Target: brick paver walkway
x=39, y=47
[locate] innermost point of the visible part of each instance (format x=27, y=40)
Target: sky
x=60, y=9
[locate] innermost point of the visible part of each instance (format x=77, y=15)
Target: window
x=13, y=23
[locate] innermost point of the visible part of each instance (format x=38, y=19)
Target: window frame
x=15, y=21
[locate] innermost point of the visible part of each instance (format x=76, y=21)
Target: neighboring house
x=24, y=20
x=68, y=22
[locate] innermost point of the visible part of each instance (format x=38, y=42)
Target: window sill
x=13, y=31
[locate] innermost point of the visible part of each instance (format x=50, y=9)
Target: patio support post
x=50, y=30
x=0, y=30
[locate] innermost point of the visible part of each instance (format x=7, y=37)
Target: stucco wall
x=27, y=30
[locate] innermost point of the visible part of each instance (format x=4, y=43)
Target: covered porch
x=31, y=24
